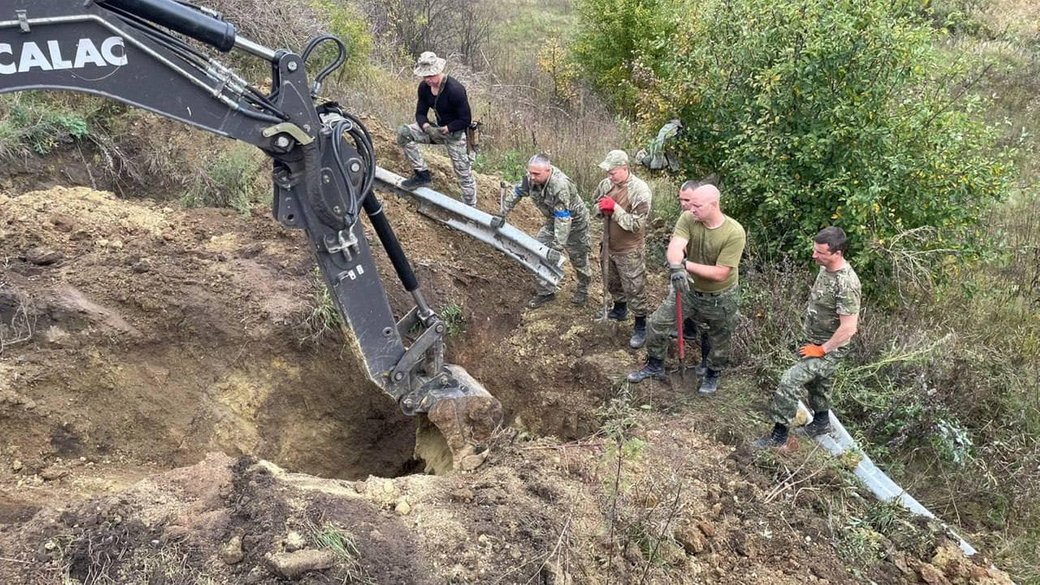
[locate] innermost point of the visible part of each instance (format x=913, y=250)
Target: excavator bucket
x=455, y=432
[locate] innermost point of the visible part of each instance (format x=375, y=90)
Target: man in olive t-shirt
x=704, y=258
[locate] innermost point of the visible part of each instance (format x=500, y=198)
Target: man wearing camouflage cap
x=831, y=319
x=623, y=200
x=566, y=226
x=447, y=98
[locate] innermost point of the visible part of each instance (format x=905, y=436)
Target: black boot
x=580, y=296
x=776, y=439
x=619, y=312
x=638, y=333
x=702, y=368
x=418, y=179
x=710, y=381
x=820, y=424
x=654, y=368
x=539, y=300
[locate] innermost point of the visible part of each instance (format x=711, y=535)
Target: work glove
x=606, y=206
x=518, y=191
x=811, y=350
x=680, y=279
x=432, y=131
x=554, y=256
x=497, y=221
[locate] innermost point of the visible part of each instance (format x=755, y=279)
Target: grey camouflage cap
x=615, y=159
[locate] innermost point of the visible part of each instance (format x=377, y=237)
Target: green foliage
x=35, y=122
x=229, y=180
x=454, y=320
x=509, y=163
x=818, y=113
x=334, y=538
x=324, y=318
x=615, y=39
x=345, y=22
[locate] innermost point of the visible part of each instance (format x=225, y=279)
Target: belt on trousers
x=710, y=294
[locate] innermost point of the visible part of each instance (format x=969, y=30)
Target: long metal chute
x=546, y=265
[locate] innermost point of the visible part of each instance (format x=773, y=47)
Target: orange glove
x=811, y=350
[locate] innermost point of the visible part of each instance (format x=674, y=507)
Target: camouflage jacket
x=628, y=222
x=833, y=294
x=559, y=202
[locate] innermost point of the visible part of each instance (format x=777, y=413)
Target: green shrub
x=229, y=180
x=818, y=113
x=39, y=123
x=350, y=26
x=615, y=37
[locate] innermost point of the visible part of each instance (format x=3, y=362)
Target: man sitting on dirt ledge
x=566, y=224
x=447, y=97
x=831, y=319
x=705, y=248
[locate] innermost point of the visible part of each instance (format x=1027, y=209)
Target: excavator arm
x=143, y=53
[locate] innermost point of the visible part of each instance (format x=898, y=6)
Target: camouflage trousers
x=716, y=317
x=577, y=248
x=627, y=280
x=410, y=136
x=812, y=375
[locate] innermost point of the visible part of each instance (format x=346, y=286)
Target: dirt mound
x=140, y=338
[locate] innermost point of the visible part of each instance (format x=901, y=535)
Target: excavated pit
x=157, y=335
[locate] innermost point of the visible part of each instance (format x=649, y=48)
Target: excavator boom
x=143, y=53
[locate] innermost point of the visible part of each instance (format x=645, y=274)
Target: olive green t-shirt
x=722, y=246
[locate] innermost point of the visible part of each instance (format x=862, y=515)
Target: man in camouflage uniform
x=623, y=200
x=566, y=224
x=447, y=98
x=832, y=318
x=704, y=258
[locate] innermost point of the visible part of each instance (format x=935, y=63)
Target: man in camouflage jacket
x=566, y=226
x=832, y=318
x=623, y=200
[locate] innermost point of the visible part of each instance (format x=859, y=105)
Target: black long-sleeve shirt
x=451, y=105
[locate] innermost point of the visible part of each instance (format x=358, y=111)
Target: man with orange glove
x=623, y=200
x=832, y=317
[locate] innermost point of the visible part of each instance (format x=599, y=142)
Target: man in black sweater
x=447, y=97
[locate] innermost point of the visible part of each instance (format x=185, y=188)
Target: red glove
x=811, y=350
x=606, y=206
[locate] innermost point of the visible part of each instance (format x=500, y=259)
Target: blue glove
x=517, y=191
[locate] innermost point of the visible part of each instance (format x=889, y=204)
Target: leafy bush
x=36, y=122
x=229, y=180
x=819, y=113
x=615, y=36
